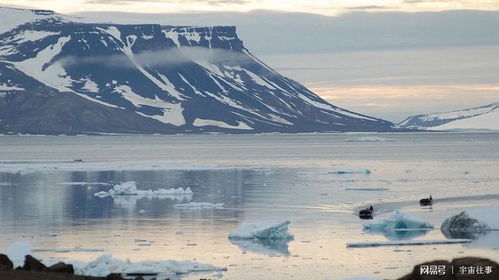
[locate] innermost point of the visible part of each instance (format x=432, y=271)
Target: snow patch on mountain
x=487, y=121
x=478, y=118
x=52, y=75
x=90, y=85
x=5, y=87
x=201, y=122
x=12, y=18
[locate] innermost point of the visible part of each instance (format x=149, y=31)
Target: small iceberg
x=351, y=171
x=267, y=230
x=17, y=250
x=199, y=205
x=267, y=237
x=369, y=139
x=130, y=188
x=407, y=243
x=397, y=221
x=463, y=226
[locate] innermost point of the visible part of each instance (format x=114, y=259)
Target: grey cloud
x=266, y=32
x=170, y=58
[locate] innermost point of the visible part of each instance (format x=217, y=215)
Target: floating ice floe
x=397, y=221
x=17, y=251
x=407, y=243
x=463, y=226
x=265, y=230
x=126, y=194
x=367, y=189
x=199, y=205
x=104, y=265
x=369, y=139
x=268, y=237
x=305, y=173
x=130, y=188
x=351, y=171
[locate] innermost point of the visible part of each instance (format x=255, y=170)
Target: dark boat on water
x=426, y=201
x=366, y=213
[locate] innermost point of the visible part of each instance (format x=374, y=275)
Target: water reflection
x=464, y=234
x=399, y=234
x=269, y=247
x=61, y=197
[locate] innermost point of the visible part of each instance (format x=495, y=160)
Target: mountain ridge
x=190, y=79
x=484, y=117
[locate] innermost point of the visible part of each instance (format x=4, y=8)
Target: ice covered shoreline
x=106, y=264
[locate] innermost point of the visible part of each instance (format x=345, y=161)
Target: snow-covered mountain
x=60, y=74
x=478, y=118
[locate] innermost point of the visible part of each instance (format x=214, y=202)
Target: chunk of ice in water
x=407, y=243
x=369, y=139
x=463, y=226
x=130, y=188
x=397, y=221
x=199, y=205
x=17, y=251
x=104, y=265
x=351, y=171
x=262, y=230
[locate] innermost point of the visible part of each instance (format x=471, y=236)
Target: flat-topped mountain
x=59, y=74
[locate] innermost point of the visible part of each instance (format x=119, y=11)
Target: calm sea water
x=47, y=187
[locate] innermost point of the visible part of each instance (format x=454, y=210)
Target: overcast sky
x=325, y=7
x=387, y=58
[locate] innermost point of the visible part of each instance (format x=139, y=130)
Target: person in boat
x=430, y=198
x=371, y=208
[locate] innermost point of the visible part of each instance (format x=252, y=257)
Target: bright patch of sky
x=393, y=84
x=325, y=7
